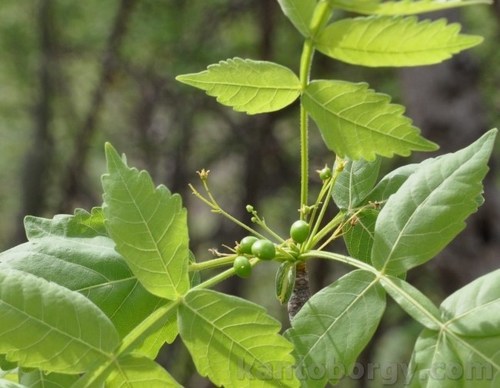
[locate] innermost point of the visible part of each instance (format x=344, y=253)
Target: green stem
x=337, y=220
x=153, y=322
x=222, y=276
x=305, y=69
x=212, y=203
x=213, y=263
x=322, y=13
x=342, y=258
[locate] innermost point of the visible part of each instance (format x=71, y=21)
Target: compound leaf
x=300, y=13
x=139, y=372
x=474, y=310
x=393, y=41
x=445, y=359
x=328, y=337
x=430, y=207
x=356, y=122
x=416, y=304
x=149, y=227
x=247, y=85
x=403, y=7
x=49, y=327
x=65, y=250
x=234, y=342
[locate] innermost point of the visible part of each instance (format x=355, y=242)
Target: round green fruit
x=245, y=245
x=264, y=249
x=325, y=173
x=242, y=266
x=299, y=231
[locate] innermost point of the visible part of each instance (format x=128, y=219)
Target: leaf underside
x=464, y=352
x=354, y=183
x=393, y=41
x=300, y=13
x=247, y=85
x=430, y=207
x=49, y=327
x=403, y=7
x=74, y=252
x=149, y=227
x=234, y=342
x=356, y=122
x=328, y=337
x=139, y=372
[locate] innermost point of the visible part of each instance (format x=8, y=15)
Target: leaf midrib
x=363, y=126
x=150, y=234
x=354, y=301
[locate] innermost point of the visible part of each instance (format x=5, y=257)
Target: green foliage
x=464, y=349
x=358, y=123
x=34, y=307
x=403, y=7
x=246, y=351
x=393, y=41
x=91, y=298
x=355, y=182
x=246, y=85
x=136, y=372
x=149, y=227
x=328, y=337
x=300, y=13
x=414, y=225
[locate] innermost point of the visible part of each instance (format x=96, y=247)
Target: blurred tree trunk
x=446, y=103
x=36, y=167
x=73, y=181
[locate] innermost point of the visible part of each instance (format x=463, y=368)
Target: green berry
x=325, y=173
x=249, y=208
x=245, y=245
x=264, y=249
x=242, y=266
x=299, y=231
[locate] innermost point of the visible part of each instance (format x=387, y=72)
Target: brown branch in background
x=38, y=160
x=82, y=141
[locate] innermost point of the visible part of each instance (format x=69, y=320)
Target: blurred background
x=74, y=74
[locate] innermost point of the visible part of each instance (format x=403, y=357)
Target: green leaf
x=234, y=342
x=246, y=85
x=65, y=251
x=416, y=304
x=149, y=227
x=37, y=379
x=154, y=331
x=358, y=236
x=356, y=122
x=300, y=13
x=10, y=384
x=474, y=310
x=430, y=208
x=444, y=360
x=393, y=41
x=49, y=327
x=403, y=7
x=391, y=183
x=81, y=225
x=139, y=372
x=355, y=182
x=334, y=326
